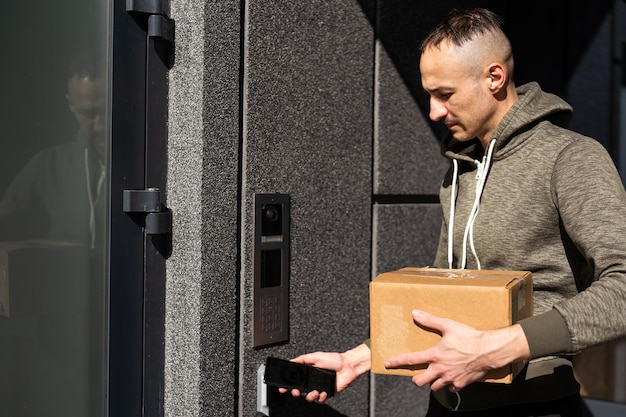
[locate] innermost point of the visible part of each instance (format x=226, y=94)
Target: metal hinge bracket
x=158, y=218
x=161, y=7
x=160, y=26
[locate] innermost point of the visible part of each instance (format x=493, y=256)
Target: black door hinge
x=161, y=7
x=147, y=210
x=160, y=26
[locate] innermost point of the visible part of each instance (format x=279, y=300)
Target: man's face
x=86, y=100
x=458, y=94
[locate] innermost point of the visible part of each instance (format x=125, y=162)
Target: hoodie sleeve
x=546, y=333
x=590, y=197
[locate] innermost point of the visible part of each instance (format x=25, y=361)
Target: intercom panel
x=271, y=269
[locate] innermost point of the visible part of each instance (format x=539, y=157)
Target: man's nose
x=98, y=122
x=437, y=110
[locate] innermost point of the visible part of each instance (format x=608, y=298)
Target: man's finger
x=410, y=359
x=428, y=320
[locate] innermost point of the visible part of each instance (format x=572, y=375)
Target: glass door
x=54, y=207
x=84, y=231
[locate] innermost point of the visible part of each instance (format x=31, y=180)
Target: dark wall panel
x=308, y=133
x=575, y=43
x=405, y=235
x=407, y=152
x=408, y=160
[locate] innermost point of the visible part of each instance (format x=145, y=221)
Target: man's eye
x=90, y=113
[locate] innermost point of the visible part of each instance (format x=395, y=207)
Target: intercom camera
x=270, y=325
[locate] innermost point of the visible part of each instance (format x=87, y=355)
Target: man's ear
x=69, y=102
x=497, y=77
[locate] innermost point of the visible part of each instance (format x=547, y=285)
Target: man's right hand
x=349, y=365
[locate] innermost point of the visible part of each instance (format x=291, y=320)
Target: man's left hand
x=464, y=354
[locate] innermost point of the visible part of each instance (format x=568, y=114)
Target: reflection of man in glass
x=51, y=337
x=86, y=100
x=59, y=192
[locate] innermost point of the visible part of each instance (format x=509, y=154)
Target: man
x=523, y=193
x=59, y=193
x=58, y=196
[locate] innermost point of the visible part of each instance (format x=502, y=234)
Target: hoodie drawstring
x=481, y=178
x=93, y=198
x=455, y=177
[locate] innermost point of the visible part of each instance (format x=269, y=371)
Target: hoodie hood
x=532, y=107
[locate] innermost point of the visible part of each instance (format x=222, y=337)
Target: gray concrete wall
x=203, y=191
x=307, y=133
x=261, y=110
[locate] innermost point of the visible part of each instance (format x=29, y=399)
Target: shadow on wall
x=549, y=38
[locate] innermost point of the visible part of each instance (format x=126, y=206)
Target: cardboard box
x=482, y=299
x=43, y=277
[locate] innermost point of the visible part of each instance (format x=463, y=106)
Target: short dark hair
x=461, y=26
x=85, y=65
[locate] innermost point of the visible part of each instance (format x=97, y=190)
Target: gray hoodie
x=551, y=203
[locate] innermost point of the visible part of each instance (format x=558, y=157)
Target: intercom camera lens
x=271, y=220
x=271, y=213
